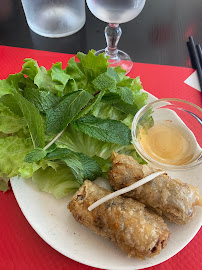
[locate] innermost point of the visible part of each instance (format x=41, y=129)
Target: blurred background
x=158, y=35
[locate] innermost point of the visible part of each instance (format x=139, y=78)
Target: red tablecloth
x=20, y=246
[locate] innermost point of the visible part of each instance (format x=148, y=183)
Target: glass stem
x=112, y=33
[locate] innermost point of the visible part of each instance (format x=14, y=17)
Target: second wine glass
x=115, y=12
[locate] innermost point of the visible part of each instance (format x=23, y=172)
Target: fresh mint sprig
x=58, y=117
x=105, y=130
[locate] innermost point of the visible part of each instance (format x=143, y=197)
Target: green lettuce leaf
x=44, y=81
x=105, y=165
x=35, y=97
x=93, y=65
x=59, y=182
x=59, y=75
x=130, y=151
x=12, y=153
x=4, y=184
x=5, y=88
x=10, y=122
x=27, y=169
x=30, y=68
x=139, y=98
x=79, y=79
x=84, y=72
x=53, y=80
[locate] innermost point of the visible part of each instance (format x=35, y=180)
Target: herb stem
x=96, y=93
x=54, y=139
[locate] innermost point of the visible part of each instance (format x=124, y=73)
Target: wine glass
x=115, y=12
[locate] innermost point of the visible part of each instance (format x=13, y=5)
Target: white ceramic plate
x=50, y=218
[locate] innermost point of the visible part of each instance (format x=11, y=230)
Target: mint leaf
x=115, y=101
x=42, y=100
x=35, y=155
x=120, y=72
x=29, y=111
x=105, y=82
x=10, y=102
x=48, y=100
x=58, y=153
x=126, y=81
x=112, y=72
x=32, y=95
x=125, y=94
x=33, y=120
x=104, y=129
x=79, y=142
x=126, y=108
x=91, y=105
x=91, y=168
x=75, y=164
x=61, y=115
x=82, y=166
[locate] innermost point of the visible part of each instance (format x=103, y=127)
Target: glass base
x=122, y=59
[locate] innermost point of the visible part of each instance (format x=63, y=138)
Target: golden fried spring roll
x=134, y=229
x=168, y=197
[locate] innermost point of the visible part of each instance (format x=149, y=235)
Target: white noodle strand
x=125, y=190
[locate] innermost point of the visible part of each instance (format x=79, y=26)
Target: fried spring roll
x=168, y=197
x=135, y=230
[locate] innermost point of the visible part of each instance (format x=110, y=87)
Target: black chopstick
x=196, y=58
x=199, y=50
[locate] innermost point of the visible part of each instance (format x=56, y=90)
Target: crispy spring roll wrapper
x=168, y=197
x=135, y=230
